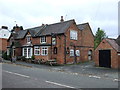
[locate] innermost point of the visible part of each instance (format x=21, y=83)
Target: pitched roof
x=57, y=28
x=20, y=34
x=82, y=26
x=35, y=30
x=113, y=43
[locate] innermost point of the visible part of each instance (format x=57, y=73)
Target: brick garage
x=107, y=53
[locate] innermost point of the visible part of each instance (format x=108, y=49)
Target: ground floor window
x=77, y=52
x=36, y=50
x=90, y=55
x=55, y=50
x=71, y=52
x=44, y=51
x=8, y=51
x=27, y=52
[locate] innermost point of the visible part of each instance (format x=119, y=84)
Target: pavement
x=86, y=68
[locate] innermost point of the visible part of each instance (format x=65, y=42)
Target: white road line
x=94, y=76
x=17, y=74
x=59, y=84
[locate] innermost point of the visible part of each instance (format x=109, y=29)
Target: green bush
x=4, y=56
x=33, y=57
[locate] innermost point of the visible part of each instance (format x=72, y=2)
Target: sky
x=32, y=13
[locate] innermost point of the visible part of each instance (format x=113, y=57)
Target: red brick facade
x=84, y=43
x=3, y=44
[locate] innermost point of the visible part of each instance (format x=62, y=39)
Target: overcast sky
x=32, y=13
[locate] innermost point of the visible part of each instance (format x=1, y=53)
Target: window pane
x=73, y=35
x=44, y=51
x=43, y=39
x=71, y=52
x=36, y=50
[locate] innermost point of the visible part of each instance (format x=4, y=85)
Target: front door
x=105, y=58
x=27, y=52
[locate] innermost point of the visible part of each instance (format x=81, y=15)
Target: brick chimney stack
x=61, y=19
x=4, y=27
x=17, y=28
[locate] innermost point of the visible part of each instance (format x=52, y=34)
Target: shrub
x=33, y=57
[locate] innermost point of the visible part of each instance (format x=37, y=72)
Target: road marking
x=116, y=80
x=59, y=84
x=94, y=76
x=17, y=74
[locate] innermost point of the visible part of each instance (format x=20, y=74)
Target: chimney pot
x=4, y=27
x=62, y=19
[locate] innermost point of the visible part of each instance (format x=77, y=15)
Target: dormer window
x=28, y=38
x=43, y=40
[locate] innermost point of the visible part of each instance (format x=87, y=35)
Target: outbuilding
x=107, y=54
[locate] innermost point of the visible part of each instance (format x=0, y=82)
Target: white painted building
x=4, y=32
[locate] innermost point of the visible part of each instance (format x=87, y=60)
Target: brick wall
x=3, y=44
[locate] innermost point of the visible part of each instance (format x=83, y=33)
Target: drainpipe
x=75, y=58
x=64, y=49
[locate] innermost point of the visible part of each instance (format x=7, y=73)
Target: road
x=16, y=76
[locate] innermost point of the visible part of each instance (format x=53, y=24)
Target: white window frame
x=43, y=39
x=36, y=49
x=90, y=52
x=28, y=39
x=73, y=35
x=71, y=52
x=77, y=52
x=43, y=49
x=8, y=51
x=53, y=40
x=28, y=54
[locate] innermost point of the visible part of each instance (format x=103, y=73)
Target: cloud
x=30, y=13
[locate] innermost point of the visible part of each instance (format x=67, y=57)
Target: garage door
x=105, y=58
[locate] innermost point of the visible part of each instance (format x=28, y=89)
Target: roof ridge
x=61, y=22
x=83, y=23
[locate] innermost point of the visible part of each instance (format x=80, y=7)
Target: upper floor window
x=43, y=40
x=28, y=39
x=73, y=34
x=53, y=40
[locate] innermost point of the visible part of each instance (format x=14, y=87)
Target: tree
x=99, y=36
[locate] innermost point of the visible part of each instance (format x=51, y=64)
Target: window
x=8, y=51
x=55, y=50
x=73, y=35
x=44, y=51
x=43, y=39
x=28, y=39
x=89, y=52
x=71, y=52
x=27, y=52
x=53, y=41
x=77, y=52
x=36, y=50
x=90, y=55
